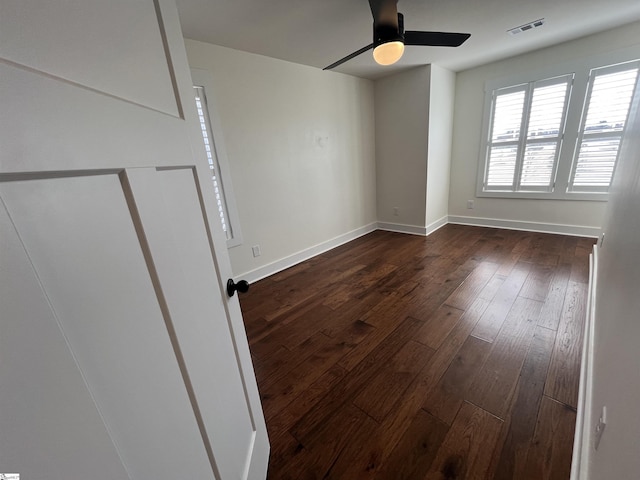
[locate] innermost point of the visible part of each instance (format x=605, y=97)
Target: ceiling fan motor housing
x=388, y=32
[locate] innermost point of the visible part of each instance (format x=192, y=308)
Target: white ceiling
x=317, y=33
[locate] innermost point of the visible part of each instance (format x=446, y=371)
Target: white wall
x=300, y=144
x=402, y=123
x=441, y=105
x=616, y=379
x=614, y=45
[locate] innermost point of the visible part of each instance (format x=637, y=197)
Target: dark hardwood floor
x=454, y=356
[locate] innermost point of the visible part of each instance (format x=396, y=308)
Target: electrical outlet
x=256, y=251
x=396, y=211
x=600, y=426
x=470, y=204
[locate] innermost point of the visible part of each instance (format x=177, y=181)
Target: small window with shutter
x=525, y=135
x=211, y=132
x=604, y=120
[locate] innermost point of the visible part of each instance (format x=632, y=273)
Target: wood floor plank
x=495, y=383
x=360, y=282
x=579, y=270
x=492, y=287
x=550, y=453
x=277, y=395
x=431, y=295
x=508, y=263
x=568, y=252
x=352, y=347
x=553, y=303
x=446, y=398
x=374, y=340
x=564, y=371
x=538, y=282
x=286, y=314
x=340, y=468
x=511, y=460
x=584, y=247
x=307, y=399
x=413, y=455
x=281, y=360
x=438, y=326
x=301, y=329
x=539, y=251
x=493, y=318
x=393, y=429
x=465, y=294
x=284, y=448
x=319, y=452
x=467, y=448
x=392, y=379
x=356, y=379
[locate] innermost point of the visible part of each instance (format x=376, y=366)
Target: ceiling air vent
x=527, y=26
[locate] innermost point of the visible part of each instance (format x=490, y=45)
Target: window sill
x=571, y=196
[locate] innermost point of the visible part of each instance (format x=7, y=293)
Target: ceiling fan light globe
x=388, y=53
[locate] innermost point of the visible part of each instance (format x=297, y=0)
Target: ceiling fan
x=389, y=36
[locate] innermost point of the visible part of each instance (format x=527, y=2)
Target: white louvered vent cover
x=526, y=26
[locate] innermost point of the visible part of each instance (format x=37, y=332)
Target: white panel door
x=121, y=356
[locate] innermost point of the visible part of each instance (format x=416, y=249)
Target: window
x=525, y=135
x=207, y=137
x=216, y=156
x=538, y=144
x=603, y=126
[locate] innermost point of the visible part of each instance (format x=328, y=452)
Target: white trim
x=582, y=439
x=574, y=230
x=414, y=229
x=306, y=254
x=432, y=227
x=401, y=228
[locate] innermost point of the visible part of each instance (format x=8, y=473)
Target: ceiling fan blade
x=349, y=57
x=435, y=39
x=385, y=12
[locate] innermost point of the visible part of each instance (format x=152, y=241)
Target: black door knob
x=242, y=286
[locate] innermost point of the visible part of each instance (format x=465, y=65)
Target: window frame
x=593, y=73
x=581, y=68
x=203, y=78
x=523, y=139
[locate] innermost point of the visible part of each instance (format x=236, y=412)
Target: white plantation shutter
x=505, y=136
x=544, y=132
x=526, y=163
x=207, y=137
x=602, y=128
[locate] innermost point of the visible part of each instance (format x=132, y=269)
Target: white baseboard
x=574, y=230
x=432, y=227
x=413, y=229
x=307, y=253
x=582, y=440
x=401, y=228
